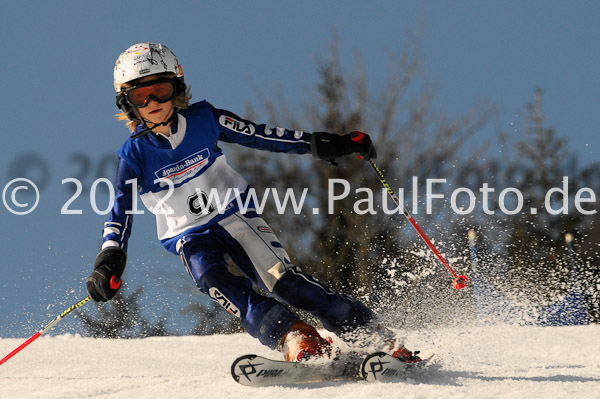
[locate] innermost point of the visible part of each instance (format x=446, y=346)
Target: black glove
x=330, y=146
x=105, y=280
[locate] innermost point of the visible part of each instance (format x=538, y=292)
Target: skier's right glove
x=330, y=146
x=105, y=280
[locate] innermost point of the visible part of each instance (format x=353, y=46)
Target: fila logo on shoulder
x=236, y=126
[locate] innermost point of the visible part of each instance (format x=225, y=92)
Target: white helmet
x=145, y=59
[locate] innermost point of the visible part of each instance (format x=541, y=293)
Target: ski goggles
x=159, y=90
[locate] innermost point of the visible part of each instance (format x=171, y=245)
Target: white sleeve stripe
x=106, y=224
x=282, y=140
x=125, y=229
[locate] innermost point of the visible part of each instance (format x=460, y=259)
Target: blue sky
x=58, y=101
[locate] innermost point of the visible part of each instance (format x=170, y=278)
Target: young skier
x=173, y=160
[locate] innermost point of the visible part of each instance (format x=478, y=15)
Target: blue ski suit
x=186, y=182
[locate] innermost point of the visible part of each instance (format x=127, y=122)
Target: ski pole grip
x=114, y=284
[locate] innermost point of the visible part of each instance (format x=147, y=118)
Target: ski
x=383, y=367
x=253, y=370
x=257, y=371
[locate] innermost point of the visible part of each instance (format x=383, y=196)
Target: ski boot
x=303, y=342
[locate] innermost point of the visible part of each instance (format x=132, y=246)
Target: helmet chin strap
x=150, y=129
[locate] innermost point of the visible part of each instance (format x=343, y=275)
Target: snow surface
x=474, y=362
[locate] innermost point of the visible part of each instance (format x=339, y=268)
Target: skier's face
x=155, y=112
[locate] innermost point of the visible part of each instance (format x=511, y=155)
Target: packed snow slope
x=476, y=362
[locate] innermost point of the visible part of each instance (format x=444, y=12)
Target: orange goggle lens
x=160, y=91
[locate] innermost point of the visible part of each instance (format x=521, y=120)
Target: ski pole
x=460, y=281
x=46, y=328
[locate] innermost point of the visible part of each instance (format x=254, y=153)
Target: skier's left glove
x=105, y=280
x=330, y=146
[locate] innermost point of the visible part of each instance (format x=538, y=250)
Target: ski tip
x=235, y=367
